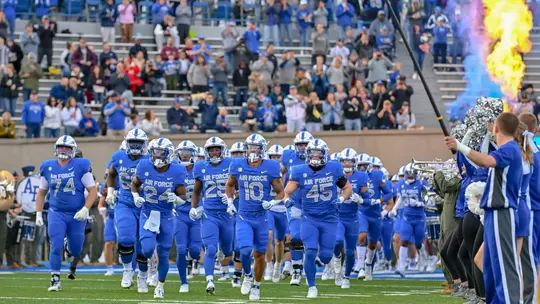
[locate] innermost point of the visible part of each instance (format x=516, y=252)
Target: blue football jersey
x=412, y=200
x=156, y=186
x=190, y=183
x=214, y=180
x=125, y=167
x=504, y=181
x=254, y=184
x=290, y=159
x=318, y=189
x=534, y=184
x=375, y=191
x=66, y=190
x=358, y=180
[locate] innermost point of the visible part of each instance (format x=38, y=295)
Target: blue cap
x=267, y=99
x=437, y=9
x=364, y=28
x=201, y=37
x=28, y=169
x=292, y=87
x=380, y=82
x=15, y=174
x=178, y=99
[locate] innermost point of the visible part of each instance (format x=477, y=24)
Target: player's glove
x=384, y=213
x=82, y=214
x=175, y=199
x=356, y=199
x=392, y=213
x=102, y=210
x=375, y=201
x=39, y=218
x=225, y=200
x=341, y=200
x=267, y=205
x=288, y=203
x=196, y=213
x=111, y=196
x=137, y=199
x=231, y=209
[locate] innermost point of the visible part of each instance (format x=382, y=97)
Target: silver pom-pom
x=484, y=113
x=459, y=131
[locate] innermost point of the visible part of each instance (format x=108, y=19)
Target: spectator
x=151, y=125
x=364, y=49
x=523, y=106
x=160, y=10
x=458, y=38
x=378, y=66
x=337, y=74
x=53, y=118
x=4, y=55
x=16, y=56
x=133, y=122
x=164, y=30
x=367, y=111
x=135, y=82
x=352, y=110
x=138, y=47
x=11, y=83
x=320, y=43
x=185, y=64
x=4, y=26
x=265, y=68
x=8, y=13
x=116, y=111
x=319, y=78
x=169, y=48
x=440, y=45
x=287, y=70
x=385, y=117
x=71, y=116
x=340, y=50
x=248, y=116
x=405, y=119
x=396, y=73
x=252, y=37
x=379, y=94
x=97, y=84
x=30, y=73
x=240, y=83
x=222, y=123
x=415, y=14
x=108, y=16
x=257, y=85
x=314, y=112
x=60, y=91
x=210, y=112
x=434, y=19
x=65, y=58
x=528, y=90
x=303, y=16
x=177, y=118
x=344, y=15
x=7, y=127
x=421, y=46
x=107, y=56
x=33, y=115
x=331, y=113
x=199, y=76
x=241, y=52
x=151, y=77
x=285, y=23
x=183, y=20
x=170, y=70
x=191, y=118
x=220, y=73
x=88, y=125
x=384, y=42
x=120, y=80
x=229, y=36
x=320, y=15
x=378, y=24
x=401, y=93
x=302, y=83
x=271, y=21
x=84, y=57
x=188, y=49
x=46, y=33
x=267, y=116
x=355, y=70
x=75, y=91
x=340, y=93
x=29, y=40
x=126, y=17
x=296, y=111
x=202, y=48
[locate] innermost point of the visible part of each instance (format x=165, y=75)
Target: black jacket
x=177, y=117
x=46, y=37
x=241, y=80
x=352, y=111
x=310, y=109
x=7, y=82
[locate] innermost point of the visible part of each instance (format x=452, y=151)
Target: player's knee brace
x=211, y=251
x=297, y=245
x=236, y=257
x=125, y=250
x=141, y=259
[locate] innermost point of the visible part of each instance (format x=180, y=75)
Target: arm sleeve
x=44, y=184
x=341, y=182
x=88, y=180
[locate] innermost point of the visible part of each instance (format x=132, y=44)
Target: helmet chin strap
x=159, y=163
x=410, y=181
x=253, y=157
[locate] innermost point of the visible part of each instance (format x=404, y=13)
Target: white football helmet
x=300, y=143
x=186, y=153
x=136, y=142
x=349, y=160
x=255, y=147
x=385, y=173
x=288, y=147
x=215, y=142
x=123, y=146
x=275, y=150
x=410, y=174
x=364, y=162
x=334, y=156
x=65, y=148
x=401, y=172
x=201, y=155
x=376, y=162
x=317, y=153
x=162, y=153
x=238, y=149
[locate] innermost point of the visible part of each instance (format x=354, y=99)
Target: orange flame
x=508, y=23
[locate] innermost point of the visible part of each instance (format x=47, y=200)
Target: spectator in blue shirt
x=440, y=36
x=88, y=125
x=9, y=11
x=33, y=115
x=210, y=112
x=303, y=16
x=344, y=15
x=267, y=116
x=201, y=48
x=222, y=124
x=252, y=37
x=108, y=16
x=458, y=41
x=159, y=10
x=384, y=42
x=285, y=23
x=61, y=90
x=116, y=111
x=271, y=21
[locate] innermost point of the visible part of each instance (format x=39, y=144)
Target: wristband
x=230, y=200
x=463, y=148
x=135, y=195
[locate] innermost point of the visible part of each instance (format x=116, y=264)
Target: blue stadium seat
x=145, y=11
x=73, y=8
x=93, y=9
x=24, y=7
x=223, y=10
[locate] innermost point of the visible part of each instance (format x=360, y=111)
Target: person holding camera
x=352, y=110
x=385, y=117
x=378, y=66
x=401, y=93
x=116, y=112
x=314, y=112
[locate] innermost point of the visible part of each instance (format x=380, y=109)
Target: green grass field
x=94, y=288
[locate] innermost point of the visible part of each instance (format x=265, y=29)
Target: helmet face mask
x=64, y=152
x=215, y=150
x=316, y=157
x=239, y=154
x=275, y=157
x=162, y=153
x=135, y=146
x=255, y=152
x=65, y=148
x=348, y=165
x=301, y=149
x=186, y=156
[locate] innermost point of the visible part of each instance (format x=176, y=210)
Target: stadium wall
x=394, y=148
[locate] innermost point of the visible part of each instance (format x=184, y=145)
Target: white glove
x=195, y=213
x=39, y=218
x=231, y=209
x=341, y=199
x=82, y=214
x=267, y=205
x=111, y=196
x=102, y=210
x=384, y=212
x=225, y=200
x=392, y=213
x=356, y=198
x=137, y=199
x=375, y=201
x=175, y=199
